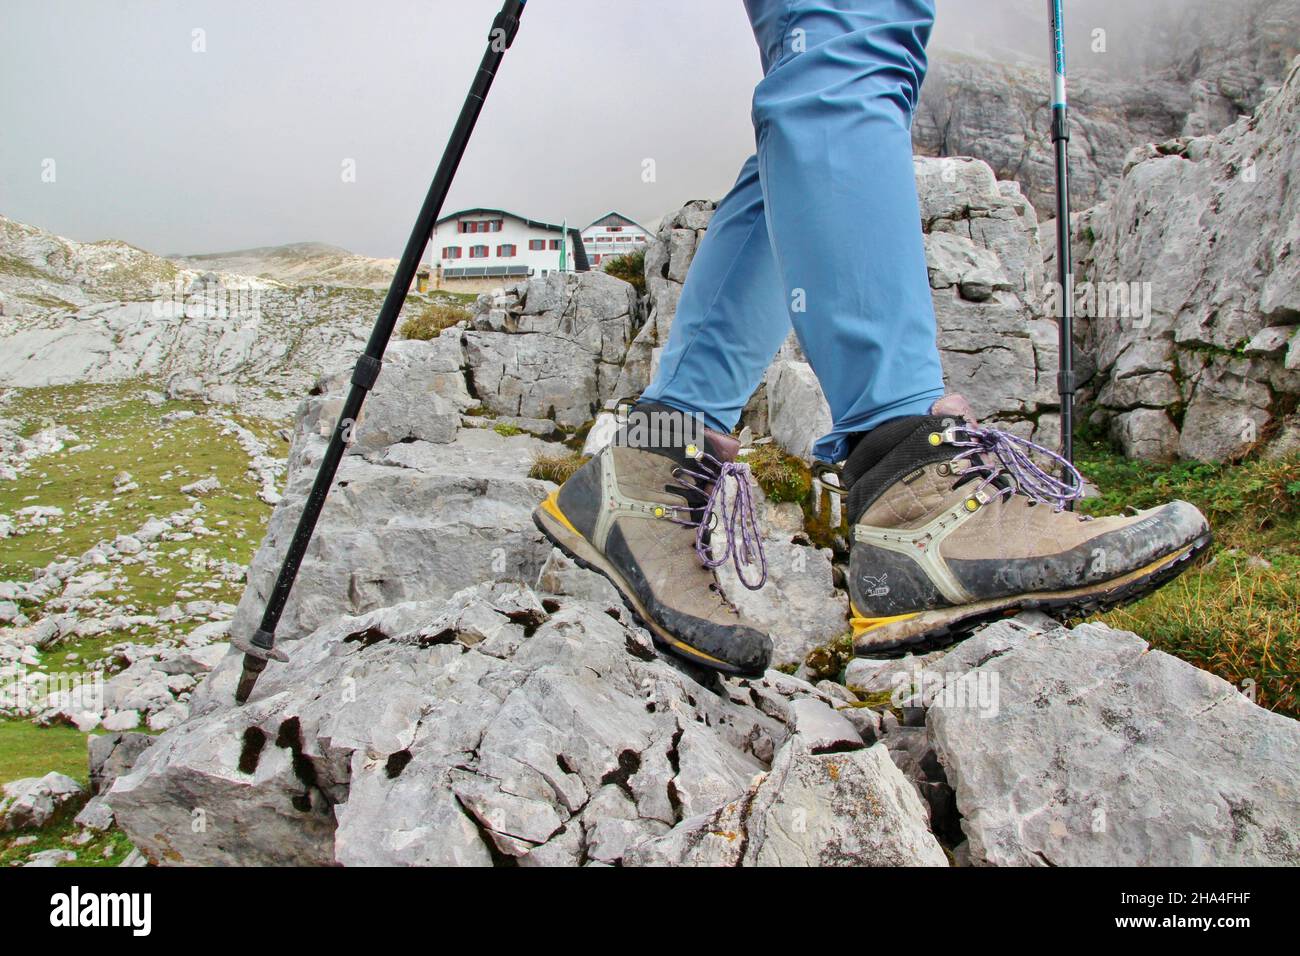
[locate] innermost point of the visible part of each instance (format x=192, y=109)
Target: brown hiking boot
x=651, y=512
x=954, y=525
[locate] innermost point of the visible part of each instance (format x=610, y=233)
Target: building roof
x=534, y=223
x=615, y=219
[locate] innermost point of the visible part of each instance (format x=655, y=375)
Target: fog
x=223, y=124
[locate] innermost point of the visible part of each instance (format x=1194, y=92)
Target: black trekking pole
x=261, y=647
x=1065, y=384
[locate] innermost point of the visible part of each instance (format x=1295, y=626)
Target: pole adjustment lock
x=1065, y=383
x=1060, y=124
x=367, y=372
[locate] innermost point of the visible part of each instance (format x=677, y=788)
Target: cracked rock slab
x=843, y=809
x=405, y=736
x=1102, y=751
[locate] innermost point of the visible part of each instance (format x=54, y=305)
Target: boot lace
x=997, y=456
x=704, y=479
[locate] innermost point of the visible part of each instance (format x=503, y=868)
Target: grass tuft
x=430, y=321
x=557, y=468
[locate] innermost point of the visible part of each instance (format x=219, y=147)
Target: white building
x=494, y=243
x=613, y=235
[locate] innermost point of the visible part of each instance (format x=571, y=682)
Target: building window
x=478, y=252
x=451, y=252
x=615, y=229
x=536, y=245
x=506, y=250
x=555, y=243
x=480, y=225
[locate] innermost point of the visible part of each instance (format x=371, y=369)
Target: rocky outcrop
x=1191, y=296
x=420, y=508
x=1166, y=70
x=551, y=347
x=508, y=727
x=498, y=727
x=1000, y=113
x=75, y=312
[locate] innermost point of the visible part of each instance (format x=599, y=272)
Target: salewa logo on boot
x=875, y=587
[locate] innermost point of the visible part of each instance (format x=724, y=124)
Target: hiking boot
x=954, y=525
x=653, y=515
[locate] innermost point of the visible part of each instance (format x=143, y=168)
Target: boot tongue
x=676, y=435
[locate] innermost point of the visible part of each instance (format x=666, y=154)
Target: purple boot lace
x=1012, y=455
x=738, y=519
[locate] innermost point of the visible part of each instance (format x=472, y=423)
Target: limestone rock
x=1087, y=747
x=401, y=736
x=1205, y=225
x=841, y=809
x=559, y=351
x=409, y=521
x=33, y=802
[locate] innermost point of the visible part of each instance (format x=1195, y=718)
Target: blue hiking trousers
x=821, y=230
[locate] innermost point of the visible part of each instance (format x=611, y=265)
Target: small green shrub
x=782, y=477
x=630, y=268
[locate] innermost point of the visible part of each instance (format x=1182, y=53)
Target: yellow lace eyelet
x=972, y=504
x=936, y=439
x=692, y=451
x=659, y=512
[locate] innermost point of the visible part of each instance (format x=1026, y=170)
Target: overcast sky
x=243, y=143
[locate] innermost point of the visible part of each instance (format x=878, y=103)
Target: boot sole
x=578, y=549
x=927, y=631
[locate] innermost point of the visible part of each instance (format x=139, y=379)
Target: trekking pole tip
x=253, y=667
x=257, y=651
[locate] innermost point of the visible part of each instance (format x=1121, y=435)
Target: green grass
x=507, y=430
x=125, y=434
x=1238, y=614
x=30, y=751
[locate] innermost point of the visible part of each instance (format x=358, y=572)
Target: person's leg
x=833, y=119
x=730, y=319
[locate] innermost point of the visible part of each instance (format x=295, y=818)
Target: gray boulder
x=552, y=347
x=1089, y=748
x=111, y=755
x=843, y=809
x=33, y=802
x=414, y=520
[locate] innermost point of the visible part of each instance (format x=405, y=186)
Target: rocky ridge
x=1192, y=314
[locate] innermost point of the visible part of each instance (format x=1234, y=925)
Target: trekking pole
x=1065, y=384
x=261, y=648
